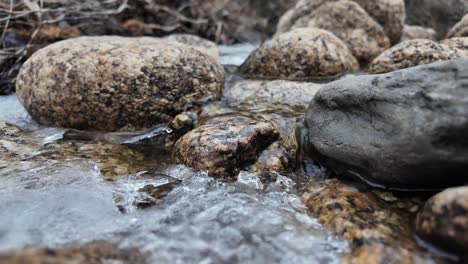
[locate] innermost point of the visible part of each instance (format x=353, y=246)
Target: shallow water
x=199, y=220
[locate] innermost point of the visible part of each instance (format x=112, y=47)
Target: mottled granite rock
x=402, y=130
x=303, y=53
x=278, y=96
x=390, y=14
x=412, y=53
x=196, y=42
x=352, y=24
x=460, y=29
x=444, y=220
x=378, y=226
x=459, y=43
x=440, y=15
x=224, y=144
x=93, y=253
x=115, y=83
x=417, y=32
x=275, y=158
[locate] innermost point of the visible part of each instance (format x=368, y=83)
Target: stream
x=199, y=220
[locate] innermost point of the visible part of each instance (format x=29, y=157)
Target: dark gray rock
x=438, y=14
x=406, y=129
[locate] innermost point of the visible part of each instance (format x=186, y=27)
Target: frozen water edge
x=201, y=220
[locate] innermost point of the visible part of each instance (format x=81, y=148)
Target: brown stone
x=115, y=83
x=303, y=53
x=352, y=24
x=444, y=220
x=413, y=53
x=197, y=43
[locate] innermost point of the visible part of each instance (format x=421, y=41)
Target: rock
x=436, y=14
x=412, y=53
x=197, y=43
x=444, y=220
x=274, y=159
x=92, y=253
x=378, y=231
x=277, y=96
x=400, y=130
x=352, y=24
x=390, y=14
x=300, y=54
x=222, y=145
x=460, y=29
x=417, y=32
x=115, y=83
x=459, y=43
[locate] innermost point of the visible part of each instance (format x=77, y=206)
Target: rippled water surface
x=198, y=219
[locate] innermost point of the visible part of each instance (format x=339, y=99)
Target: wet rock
x=352, y=24
x=115, y=83
x=460, y=29
x=378, y=231
x=300, y=54
x=277, y=95
x=417, y=32
x=412, y=53
x=223, y=145
x=93, y=253
x=459, y=43
x=389, y=14
x=444, y=220
x=274, y=159
x=400, y=130
x=436, y=14
x=197, y=43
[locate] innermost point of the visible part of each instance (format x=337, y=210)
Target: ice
x=250, y=179
x=13, y=112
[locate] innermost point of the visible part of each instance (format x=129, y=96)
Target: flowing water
x=195, y=218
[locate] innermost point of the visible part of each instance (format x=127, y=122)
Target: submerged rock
x=413, y=53
x=352, y=24
x=197, y=43
x=303, y=53
x=275, y=158
x=402, y=130
x=460, y=29
x=417, y=32
x=276, y=95
x=92, y=253
x=377, y=228
x=115, y=83
x=224, y=144
x=444, y=220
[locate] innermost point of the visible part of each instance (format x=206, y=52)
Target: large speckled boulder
x=417, y=32
x=303, y=53
x=444, y=220
x=390, y=14
x=412, y=53
x=196, y=42
x=404, y=129
x=460, y=29
x=223, y=145
x=115, y=83
x=279, y=95
x=459, y=43
x=440, y=15
x=352, y=24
